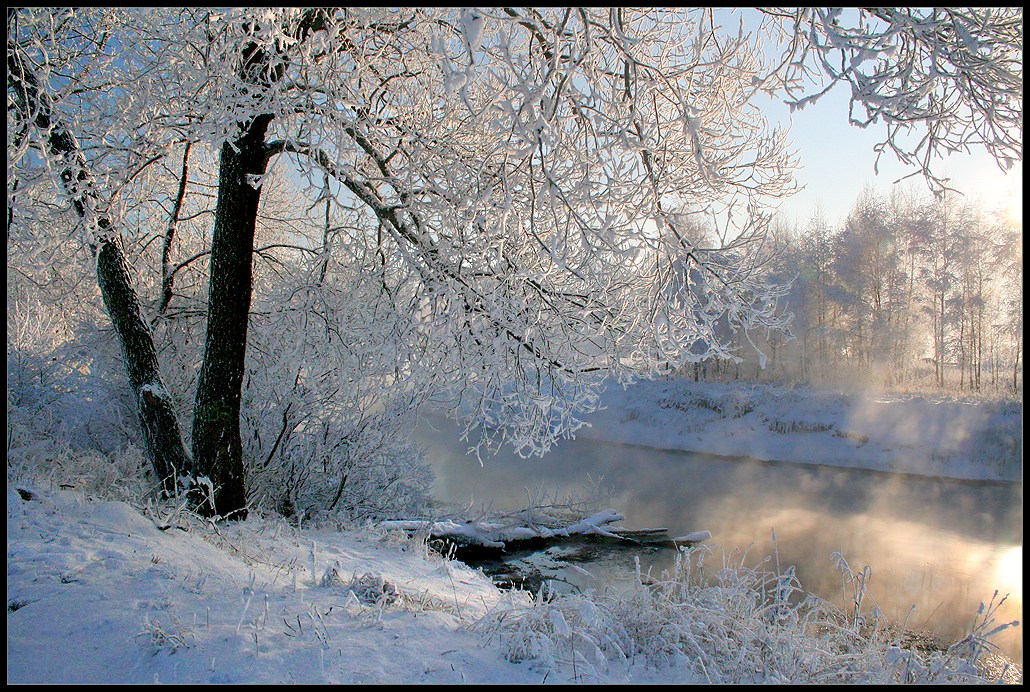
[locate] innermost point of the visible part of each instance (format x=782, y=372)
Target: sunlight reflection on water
x=941, y=546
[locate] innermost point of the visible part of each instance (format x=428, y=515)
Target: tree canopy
x=529, y=201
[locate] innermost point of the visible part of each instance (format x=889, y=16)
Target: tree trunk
x=161, y=435
x=940, y=359
x=979, y=344
x=162, y=439
x=217, y=445
x=962, y=353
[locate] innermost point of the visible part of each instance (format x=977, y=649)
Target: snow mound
x=98, y=593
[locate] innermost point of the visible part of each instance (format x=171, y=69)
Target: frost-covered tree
x=37, y=130
x=515, y=182
x=905, y=212
x=1010, y=321
x=937, y=80
x=870, y=283
x=817, y=318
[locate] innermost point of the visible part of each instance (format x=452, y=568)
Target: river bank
x=101, y=592
x=107, y=592
x=954, y=437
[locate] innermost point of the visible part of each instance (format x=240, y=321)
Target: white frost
x=694, y=537
x=154, y=389
x=472, y=24
x=494, y=534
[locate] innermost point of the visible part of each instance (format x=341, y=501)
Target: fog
x=942, y=546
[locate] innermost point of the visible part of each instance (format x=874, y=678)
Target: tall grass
x=736, y=624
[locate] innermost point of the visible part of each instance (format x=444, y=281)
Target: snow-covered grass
x=108, y=585
x=97, y=592
x=959, y=437
x=749, y=625
x=102, y=591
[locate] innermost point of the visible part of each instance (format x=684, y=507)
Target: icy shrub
x=999, y=441
x=168, y=637
x=358, y=469
x=555, y=631
x=125, y=475
x=630, y=414
x=328, y=412
x=740, y=401
x=739, y=625
x=794, y=425
x=692, y=403
x=857, y=437
x=75, y=393
x=727, y=401
x=371, y=588
x=702, y=400
x=71, y=421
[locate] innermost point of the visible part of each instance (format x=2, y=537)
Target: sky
x=838, y=161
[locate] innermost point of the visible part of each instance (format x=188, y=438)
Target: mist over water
x=943, y=546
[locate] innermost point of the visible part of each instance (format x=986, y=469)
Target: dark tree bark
x=167, y=273
x=217, y=445
x=161, y=435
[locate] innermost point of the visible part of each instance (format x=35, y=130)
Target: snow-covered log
x=693, y=537
x=504, y=533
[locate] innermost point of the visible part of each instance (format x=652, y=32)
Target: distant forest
x=909, y=292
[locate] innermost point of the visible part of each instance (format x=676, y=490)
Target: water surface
x=942, y=546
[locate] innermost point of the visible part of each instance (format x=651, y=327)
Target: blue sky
x=838, y=160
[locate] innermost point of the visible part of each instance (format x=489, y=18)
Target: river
x=940, y=545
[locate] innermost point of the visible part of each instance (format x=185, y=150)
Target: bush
x=742, y=625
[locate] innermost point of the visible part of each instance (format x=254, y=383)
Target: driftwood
x=500, y=537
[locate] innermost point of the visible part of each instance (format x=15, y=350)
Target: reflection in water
x=939, y=545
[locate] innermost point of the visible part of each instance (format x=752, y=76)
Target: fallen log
x=494, y=537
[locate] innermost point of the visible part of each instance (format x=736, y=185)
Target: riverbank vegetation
x=269, y=601
x=247, y=248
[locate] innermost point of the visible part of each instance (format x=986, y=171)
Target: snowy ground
x=97, y=593
x=958, y=438
x=103, y=592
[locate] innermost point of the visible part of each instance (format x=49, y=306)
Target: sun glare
x=1009, y=570
x=1014, y=208
x=1000, y=192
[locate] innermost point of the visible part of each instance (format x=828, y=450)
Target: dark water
x=942, y=546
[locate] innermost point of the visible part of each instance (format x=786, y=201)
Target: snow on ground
x=98, y=593
x=103, y=592
x=958, y=438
